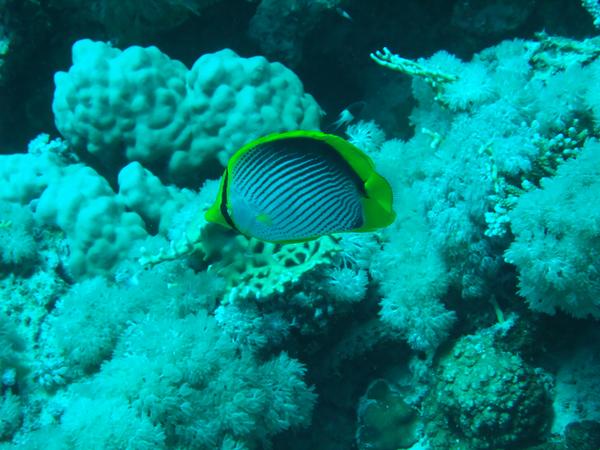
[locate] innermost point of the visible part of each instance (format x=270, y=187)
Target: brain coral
x=139, y=105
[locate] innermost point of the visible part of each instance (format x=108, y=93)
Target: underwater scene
x=300, y=224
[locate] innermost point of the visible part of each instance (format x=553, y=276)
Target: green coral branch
x=434, y=78
x=556, y=53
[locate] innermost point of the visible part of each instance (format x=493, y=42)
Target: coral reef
x=129, y=321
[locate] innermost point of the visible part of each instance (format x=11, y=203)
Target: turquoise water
x=128, y=321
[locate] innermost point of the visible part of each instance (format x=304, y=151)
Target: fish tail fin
x=378, y=204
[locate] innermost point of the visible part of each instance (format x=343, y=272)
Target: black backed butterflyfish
x=298, y=185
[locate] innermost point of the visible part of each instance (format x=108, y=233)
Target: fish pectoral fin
x=264, y=218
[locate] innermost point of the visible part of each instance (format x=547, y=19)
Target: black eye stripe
x=223, y=205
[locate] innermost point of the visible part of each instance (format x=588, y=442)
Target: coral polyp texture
x=131, y=319
x=489, y=398
x=557, y=231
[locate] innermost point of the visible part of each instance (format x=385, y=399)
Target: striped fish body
x=294, y=189
x=297, y=186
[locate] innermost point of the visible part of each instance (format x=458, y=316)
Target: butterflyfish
x=299, y=185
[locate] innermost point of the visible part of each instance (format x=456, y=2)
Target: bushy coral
x=472, y=86
x=557, y=234
x=12, y=362
x=86, y=323
x=108, y=423
x=150, y=353
x=88, y=320
x=345, y=284
x=366, y=135
x=12, y=377
x=18, y=249
x=529, y=113
x=246, y=325
x=199, y=388
x=413, y=282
